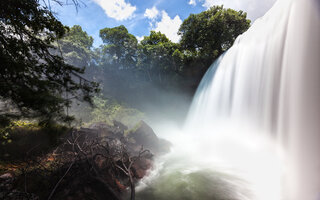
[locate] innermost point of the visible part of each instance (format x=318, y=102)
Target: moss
x=23, y=137
x=106, y=110
x=134, y=129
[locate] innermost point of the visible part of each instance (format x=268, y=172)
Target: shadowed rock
x=143, y=135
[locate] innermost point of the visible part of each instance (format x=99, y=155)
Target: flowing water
x=253, y=130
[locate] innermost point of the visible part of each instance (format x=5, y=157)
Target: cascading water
x=255, y=116
x=269, y=81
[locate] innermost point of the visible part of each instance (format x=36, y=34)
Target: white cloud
x=168, y=26
x=151, y=13
x=254, y=8
x=139, y=38
x=192, y=2
x=117, y=9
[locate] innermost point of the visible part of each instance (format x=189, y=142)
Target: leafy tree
x=206, y=35
x=157, y=58
x=78, y=37
x=121, y=46
x=155, y=38
x=76, y=47
x=33, y=78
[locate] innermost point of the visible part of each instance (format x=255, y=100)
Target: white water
x=258, y=106
x=255, y=116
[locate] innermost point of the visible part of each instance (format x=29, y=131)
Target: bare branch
x=56, y=186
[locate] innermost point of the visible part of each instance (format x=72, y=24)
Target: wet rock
x=143, y=135
x=141, y=167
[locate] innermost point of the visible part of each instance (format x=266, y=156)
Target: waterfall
x=267, y=87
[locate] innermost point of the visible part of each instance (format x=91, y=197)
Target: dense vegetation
x=35, y=81
x=50, y=72
x=137, y=72
x=43, y=62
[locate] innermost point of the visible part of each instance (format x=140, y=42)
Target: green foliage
x=126, y=69
x=157, y=57
x=120, y=45
x=157, y=60
x=22, y=137
x=132, y=72
x=208, y=34
x=6, y=132
x=33, y=78
x=75, y=47
x=107, y=110
x=155, y=38
x=78, y=37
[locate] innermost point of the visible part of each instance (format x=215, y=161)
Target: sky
x=142, y=16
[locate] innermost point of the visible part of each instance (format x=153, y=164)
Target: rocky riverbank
x=99, y=162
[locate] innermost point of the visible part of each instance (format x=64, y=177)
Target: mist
x=230, y=111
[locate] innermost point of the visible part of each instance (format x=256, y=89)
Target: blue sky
x=142, y=16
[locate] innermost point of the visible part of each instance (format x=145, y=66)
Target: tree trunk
x=132, y=187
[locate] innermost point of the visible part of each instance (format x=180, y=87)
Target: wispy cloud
x=192, y=2
x=139, y=38
x=151, y=13
x=168, y=26
x=117, y=9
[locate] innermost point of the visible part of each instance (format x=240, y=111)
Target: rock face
x=141, y=167
x=117, y=136
x=104, y=129
x=143, y=135
x=101, y=151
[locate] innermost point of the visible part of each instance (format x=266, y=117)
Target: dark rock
x=143, y=135
x=141, y=167
x=164, y=146
x=120, y=125
x=101, y=128
x=94, y=174
x=6, y=176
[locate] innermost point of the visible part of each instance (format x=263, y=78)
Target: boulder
x=114, y=131
x=100, y=128
x=143, y=135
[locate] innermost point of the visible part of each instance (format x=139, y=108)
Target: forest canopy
x=130, y=70
x=43, y=61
